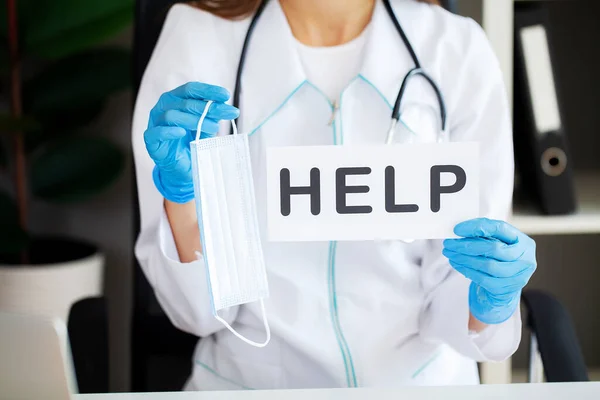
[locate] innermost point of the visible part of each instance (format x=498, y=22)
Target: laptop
x=35, y=359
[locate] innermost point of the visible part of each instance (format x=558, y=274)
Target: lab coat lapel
x=387, y=59
x=367, y=102
x=272, y=71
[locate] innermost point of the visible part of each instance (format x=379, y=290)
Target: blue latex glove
x=171, y=128
x=498, y=259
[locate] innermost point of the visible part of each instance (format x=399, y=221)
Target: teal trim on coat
x=215, y=373
x=427, y=364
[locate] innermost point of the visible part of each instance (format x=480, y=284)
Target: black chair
x=554, y=351
x=161, y=354
x=88, y=335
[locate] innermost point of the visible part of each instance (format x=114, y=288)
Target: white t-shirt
x=332, y=68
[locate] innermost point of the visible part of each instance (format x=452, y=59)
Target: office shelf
x=585, y=221
x=497, y=19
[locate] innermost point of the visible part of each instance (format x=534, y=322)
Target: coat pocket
x=444, y=367
x=235, y=373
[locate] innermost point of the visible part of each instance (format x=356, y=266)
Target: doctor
x=345, y=314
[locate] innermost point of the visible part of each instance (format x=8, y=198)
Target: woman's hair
x=233, y=9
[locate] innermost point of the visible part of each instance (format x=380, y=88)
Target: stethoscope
x=416, y=71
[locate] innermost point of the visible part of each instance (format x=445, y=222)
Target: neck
x=327, y=22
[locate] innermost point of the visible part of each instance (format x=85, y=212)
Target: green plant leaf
x=69, y=120
x=75, y=169
x=12, y=238
x=10, y=124
x=77, y=81
x=61, y=124
x=59, y=28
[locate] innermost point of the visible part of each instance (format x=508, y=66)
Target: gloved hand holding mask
x=172, y=126
x=190, y=163
x=498, y=259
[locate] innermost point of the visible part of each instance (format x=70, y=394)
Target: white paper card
x=404, y=191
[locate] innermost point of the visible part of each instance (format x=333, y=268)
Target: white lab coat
x=347, y=313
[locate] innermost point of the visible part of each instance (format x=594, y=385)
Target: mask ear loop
x=203, y=116
x=262, y=304
x=250, y=342
x=201, y=120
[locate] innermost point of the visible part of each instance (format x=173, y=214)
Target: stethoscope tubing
x=416, y=71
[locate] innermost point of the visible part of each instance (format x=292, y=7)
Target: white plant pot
x=50, y=289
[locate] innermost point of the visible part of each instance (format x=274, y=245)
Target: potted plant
x=55, y=81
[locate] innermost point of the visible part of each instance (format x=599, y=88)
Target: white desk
x=552, y=391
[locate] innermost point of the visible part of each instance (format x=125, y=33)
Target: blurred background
x=71, y=169
x=69, y=69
